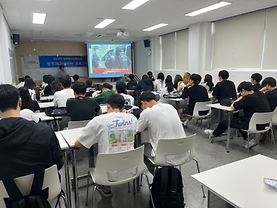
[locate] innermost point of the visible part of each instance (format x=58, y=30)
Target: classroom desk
x=241, y=183
x=44, y=117
x=47, y=98
x=230, y=113
x=46, y=105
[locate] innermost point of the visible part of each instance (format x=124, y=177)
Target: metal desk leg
x=67, y=180
x=74, y=170
x=229, y=132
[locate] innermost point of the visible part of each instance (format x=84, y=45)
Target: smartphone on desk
x=271, y=182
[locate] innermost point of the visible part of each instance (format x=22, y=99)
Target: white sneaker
x=252, y=143
x=185, y=123
x=209, y=132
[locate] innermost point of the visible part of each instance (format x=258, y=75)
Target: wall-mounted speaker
x=146, y=43
x=16, y=39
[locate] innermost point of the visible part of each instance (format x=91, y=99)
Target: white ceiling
x=72, y=20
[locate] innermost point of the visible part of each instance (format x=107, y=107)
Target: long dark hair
x=26, y=99
x=160, y=76
x=209, y=80
x=169, y=84
x=146, y=80
x=29, y=83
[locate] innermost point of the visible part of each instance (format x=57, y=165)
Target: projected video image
x=109, y=60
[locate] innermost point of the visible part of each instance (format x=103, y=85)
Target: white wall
x=5, y=44
x=142, y=60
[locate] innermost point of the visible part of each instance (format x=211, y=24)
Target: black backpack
x=167, y=188
x=36, y=199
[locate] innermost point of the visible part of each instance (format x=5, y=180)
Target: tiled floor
x=209, y=155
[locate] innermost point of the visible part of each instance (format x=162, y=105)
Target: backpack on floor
x=167, y=188
x=36, y=199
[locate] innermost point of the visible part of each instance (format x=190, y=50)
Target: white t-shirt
x=29, y=115
x=114, y=132
x=165, y=92
x=61, y=97
x=32, y=94
x=129, y=100
x=163, y=122
x=159, y=84
x=21, y=84
x=43, y=85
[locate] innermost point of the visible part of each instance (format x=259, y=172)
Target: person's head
x=178, y=78
x=186, y=78
x=21, y=79
x=44, y=78
x=245, y=88
x=146, y=100
x=115, y=102
x=25, y=97
x=168, y=83
x=29, y=83
x=120, y=87
x=76, y=77
x=160, y=76
x=79, y=89
x=88, y=83
x=27, y=76
x=50, y=79
x=223, y=75
x=150, y=75
x=96, y=49
x=10, y=101
x=61, y=67
x=269, y=83
x=107, y=86
x=195, y=79
x=131, y=77
x=146, y=80
x=256, y=78
x=209, y=80
x=66, y=81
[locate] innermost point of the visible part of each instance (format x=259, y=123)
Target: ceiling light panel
x=209, y=8
x=104, y=23
x=155, y=27
x=134, y=4
x=39, y=18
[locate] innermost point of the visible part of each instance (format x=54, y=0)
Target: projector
x=122, y=34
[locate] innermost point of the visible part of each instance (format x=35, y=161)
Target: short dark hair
x=131, y=76
x=61, y=66
x=9, y=96
x=270, y=81
x=44, y=78
x=108, y=86
x=21, y=79
x=75, y=77
x=88, y=83
x=116, y=101
x=196, y=78
x=27, y=76
x=257, y=77
x=223, y=74
x=146, y=96
x=246, y=86
x=29, y=83
x=50, y=79
x=66, y=81
x=120, y=87
x=80, y=88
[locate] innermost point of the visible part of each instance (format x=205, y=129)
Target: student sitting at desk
x=107, y=90
x=250, y=102
x=25, y=147
x=162, y=122
x=27, y=102
x=132, y=84
x=121, y=89
x=159, y=83
x=195, y=93
x=82, y=108
x=114, y=132
x=62, y=96
x=90, y=88
x=224, y=88
x=255, y=80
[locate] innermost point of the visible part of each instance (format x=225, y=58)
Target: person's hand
x=180, y=83
x=124, y=111
x=264, y=89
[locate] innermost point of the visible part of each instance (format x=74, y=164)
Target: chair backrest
x=202, y=107
x=24, y=183
x=108, y=163
x=77, y=124
x=175, y=152
x=259, y=119
x=274, y=117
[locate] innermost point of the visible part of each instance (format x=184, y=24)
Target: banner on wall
x=67, y=61
x=31, y=62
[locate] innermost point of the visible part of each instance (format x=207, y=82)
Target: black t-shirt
x=196, y=93
x=82, y=108
x=257, y=87
x=253, y=103
x=131, y=85
x=225, y=89
x=272, y=98
x=47, y=90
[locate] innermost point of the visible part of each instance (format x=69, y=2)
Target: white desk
x=47, y=98
x=241, y=183
x=71, y=135
x=46, y=105
x=230, y=113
